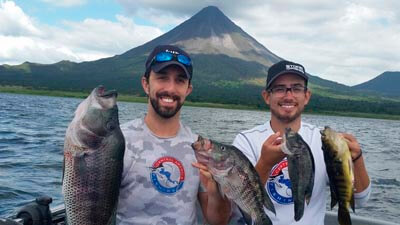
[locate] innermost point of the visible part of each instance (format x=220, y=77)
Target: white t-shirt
x=278, y=185
x=159, y=184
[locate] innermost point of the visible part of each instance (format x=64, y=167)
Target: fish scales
x=244, y=191
x=93, y=155
x=339, y=167
x=237, y=178
x=301, y=168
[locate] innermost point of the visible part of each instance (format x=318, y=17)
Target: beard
x=163, y=112
x=286, y=118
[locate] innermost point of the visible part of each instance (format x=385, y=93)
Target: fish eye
x=223, y=148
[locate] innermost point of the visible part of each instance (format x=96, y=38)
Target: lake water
x=32, y=130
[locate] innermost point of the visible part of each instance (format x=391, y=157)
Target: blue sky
x=348, y=41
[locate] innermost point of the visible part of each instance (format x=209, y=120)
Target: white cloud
x=65, y=3
x=24, y=39
x=348, y=41
x=14, y=22
x=105, y=36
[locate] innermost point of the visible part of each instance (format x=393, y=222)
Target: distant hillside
x=230, y=67
x=386, y=83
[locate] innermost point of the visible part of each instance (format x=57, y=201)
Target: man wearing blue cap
x=287, y=94
x=160, y=181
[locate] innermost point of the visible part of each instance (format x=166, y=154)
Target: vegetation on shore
x=140, y=99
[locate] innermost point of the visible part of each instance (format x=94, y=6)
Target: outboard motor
x=37, y=212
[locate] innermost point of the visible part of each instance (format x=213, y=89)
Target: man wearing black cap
x=160, y=181
x=287, y=94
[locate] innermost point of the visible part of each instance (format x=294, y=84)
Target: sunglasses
x=167, y=56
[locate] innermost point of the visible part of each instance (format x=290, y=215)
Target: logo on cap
x=295, y=67
x=172, y=51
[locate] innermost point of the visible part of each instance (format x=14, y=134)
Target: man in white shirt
x=287, y=94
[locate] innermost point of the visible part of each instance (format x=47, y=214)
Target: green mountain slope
x=386, y=83
x=229, y=67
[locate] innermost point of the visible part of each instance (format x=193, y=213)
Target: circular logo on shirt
x=278, y=185
x=167, y=175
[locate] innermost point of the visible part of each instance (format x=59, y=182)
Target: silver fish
x=339, y=167
x=93, y=160
x=301, y=170
x=236, y=177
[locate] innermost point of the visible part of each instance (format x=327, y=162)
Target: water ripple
x=381, y=181
x=32, y=130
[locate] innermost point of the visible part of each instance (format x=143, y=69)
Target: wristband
x=356, y=158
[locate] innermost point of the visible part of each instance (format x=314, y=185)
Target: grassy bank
x=131, y=98
x=121, y=97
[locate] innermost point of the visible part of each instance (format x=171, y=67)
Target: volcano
x=229, y=65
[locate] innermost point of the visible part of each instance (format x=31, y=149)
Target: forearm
x=263, y=170
x=218, y=209
x=361, y=178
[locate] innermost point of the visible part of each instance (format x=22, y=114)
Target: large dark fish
x=301, y=170
x=93, y=159
x=236, y=177
x=339, y=167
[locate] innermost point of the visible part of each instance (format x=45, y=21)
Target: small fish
x=93, y=159
x=237, y=178
x=301, y=170
x=339, y=167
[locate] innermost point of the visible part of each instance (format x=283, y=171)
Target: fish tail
x=298, y=210
x=344, y=216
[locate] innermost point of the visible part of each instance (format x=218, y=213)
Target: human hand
x=353, y=144
x=271, y=152
x=206, y=178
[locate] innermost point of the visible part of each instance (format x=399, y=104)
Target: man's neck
x=278, y=125
x=162, y=127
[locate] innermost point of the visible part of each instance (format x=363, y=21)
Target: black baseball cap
x=285, y=67
x=152, y=64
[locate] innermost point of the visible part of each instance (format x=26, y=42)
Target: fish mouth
x=202, y=157
x=102, y=92
x=202, y=149
x=202, y=144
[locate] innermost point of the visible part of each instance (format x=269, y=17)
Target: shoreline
x=139, y=99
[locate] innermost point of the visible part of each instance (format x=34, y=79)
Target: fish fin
x=113, y=218
x=263, y=220
x=333, y=196
x=89, y=139
x=344, y=216
x=268, y=203
x=80, y=163
x=310, y=186
x=307, y=198
x=246, y=217
x=221, y=191
x=309, y=189
x=352, y=204
x=63, y=171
